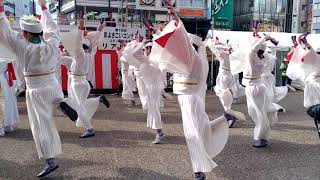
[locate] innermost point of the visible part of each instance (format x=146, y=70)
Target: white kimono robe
x=172, y=51
x=154, y=86
x=259, y=105
x=79, y=86
x=11, y=114
x=226, y=85
x=134, y=56
x=275, y=94
x=43, y=90
x=128, y=83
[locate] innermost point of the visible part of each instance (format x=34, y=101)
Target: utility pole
x=212, y=29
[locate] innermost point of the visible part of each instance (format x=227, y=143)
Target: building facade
x=192, y=12
x=273, y=15
x=300, y=18
x=316, y=16
x=17, y=8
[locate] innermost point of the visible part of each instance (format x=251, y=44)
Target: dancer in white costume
x=10, y=109
x=141, y=89
x=128, y=83
x=2, y=133
x=205, y=139
x=152, y=78
x=306, y=62
x=260, y=108
x=225, y=83
x=37, y=52
x=275, y=94
x=135, y=59
x=79, y=86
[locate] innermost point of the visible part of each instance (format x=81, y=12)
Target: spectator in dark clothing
x=110, y=22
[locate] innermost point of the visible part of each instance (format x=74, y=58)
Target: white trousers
x=85, y=108
x=154, y=101
x=260, y=109
x=224, y=89
x=142, y=93
x=10, y=109
x=274, y=93
x=205, y=139
x=41, y=95
x=128, y=84
x=312, y=91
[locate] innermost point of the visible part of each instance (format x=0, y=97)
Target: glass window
x=185, y=3
x=199, y=3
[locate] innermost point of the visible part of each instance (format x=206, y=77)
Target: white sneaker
x=291, y=88
x=2, y=133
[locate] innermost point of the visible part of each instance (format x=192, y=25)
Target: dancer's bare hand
x=1, y=2
x=100, y=27
x=81, y=24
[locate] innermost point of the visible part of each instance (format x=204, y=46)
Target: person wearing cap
x=258, y=102
x=82, y=51
x=36, y=48
x=205, y=138
x=286, y=81
x=10, y=110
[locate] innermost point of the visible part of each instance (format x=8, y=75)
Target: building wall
x=300, y=16
x=316, y=16
x=274, y=15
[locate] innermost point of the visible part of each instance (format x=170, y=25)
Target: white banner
x=112, y=35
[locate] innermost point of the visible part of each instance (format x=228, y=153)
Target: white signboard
x=112, y=35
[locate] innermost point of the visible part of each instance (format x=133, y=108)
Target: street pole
x=212, y=28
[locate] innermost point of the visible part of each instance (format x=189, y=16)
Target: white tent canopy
x=244, y=38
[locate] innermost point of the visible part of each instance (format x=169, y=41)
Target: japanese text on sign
x=113, y=35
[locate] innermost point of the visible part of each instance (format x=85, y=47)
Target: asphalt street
x=122, y=148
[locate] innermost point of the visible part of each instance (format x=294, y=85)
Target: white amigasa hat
x=31, y=24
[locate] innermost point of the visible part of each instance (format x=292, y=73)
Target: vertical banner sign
x=222, y=12
x=209, y=11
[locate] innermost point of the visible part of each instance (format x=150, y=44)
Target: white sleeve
x=94, y=38
x=66, y=60
x=51, y=32
x=10, y=38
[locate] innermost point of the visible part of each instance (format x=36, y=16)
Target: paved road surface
x=123, y=150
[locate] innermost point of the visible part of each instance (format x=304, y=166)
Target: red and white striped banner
x=103, y=71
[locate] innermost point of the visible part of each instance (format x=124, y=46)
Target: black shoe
x=231, y=119
x=262, y=143
x=88, y=133
x=199, y=176
x=48, y=169
x=104, y=101
x=231, y=122
x=133, y=103
x=68, y=111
